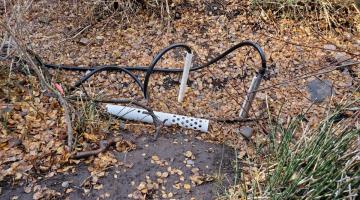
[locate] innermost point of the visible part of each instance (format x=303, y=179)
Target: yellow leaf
x=91, y=137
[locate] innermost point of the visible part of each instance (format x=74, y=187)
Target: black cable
x=214, y=60
x=151, y=69
x=108, y=68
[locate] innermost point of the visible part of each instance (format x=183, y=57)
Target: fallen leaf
x=187, y=186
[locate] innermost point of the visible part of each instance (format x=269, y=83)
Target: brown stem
x=103, y=145
x=22, y=49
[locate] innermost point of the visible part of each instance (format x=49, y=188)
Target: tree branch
x=103, y=145
x=22, y=50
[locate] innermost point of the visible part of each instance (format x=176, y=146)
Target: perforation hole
x=185, y=122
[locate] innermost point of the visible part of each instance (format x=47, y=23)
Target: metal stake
x=255, y=83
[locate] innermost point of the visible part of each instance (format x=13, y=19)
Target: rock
x=319, y=90
x=177, y=15
x=99, y=39
x=343, y=58
x=330, y=47
x=299, y=49
x=27, y=189
x=214, y=105
x=13, y=142
x=6, y=109
x=84, y=41
x=190, y=162
x=65, y=184
x=348, y=36
x=246, y=131
x=44, y=20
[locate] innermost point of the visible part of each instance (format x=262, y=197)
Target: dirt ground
x=211, y=160
x=34, y=162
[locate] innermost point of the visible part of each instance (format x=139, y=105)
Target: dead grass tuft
x=118, y=11
x=333, y=13
x=127, y=8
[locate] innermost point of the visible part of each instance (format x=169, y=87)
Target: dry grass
x=119, y=12
x=335, y=13
x=323, y=164
x=126, y=8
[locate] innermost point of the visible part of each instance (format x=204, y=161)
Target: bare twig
x=237, y=120
x=37, y=69
x=103, y=145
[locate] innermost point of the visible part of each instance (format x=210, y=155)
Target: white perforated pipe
x=137, y=114
x=185, y=76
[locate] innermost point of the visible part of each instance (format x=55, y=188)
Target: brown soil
x=209, y=158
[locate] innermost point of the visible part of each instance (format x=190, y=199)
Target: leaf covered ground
x=33, y=131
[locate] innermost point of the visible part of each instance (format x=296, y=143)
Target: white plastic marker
x=136, y=114
x=255, y=83
x=185, y=76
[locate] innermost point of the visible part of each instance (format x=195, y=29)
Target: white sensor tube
x=185, y=76
x=136, y=114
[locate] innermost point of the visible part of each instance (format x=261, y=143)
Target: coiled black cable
x=151, y=69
